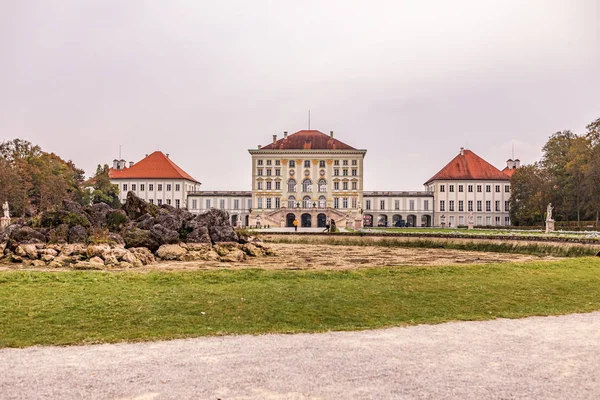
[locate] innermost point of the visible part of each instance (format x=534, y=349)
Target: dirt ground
x=320, y=257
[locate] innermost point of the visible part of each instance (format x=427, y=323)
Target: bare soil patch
x=327, y=257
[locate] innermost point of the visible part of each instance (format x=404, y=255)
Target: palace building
x=314, y=177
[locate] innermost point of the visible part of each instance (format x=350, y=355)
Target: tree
x=530, y=195
x=103, y=190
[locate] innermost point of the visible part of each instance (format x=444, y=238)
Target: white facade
x=455, y=200
x=236, y=203
x=390, y=208
x=173, y=192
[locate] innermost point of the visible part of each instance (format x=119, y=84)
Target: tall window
x=460, y=188
x=277, y=172
x=345, y=162
x=292, y=186
x=336, y=162
x=268, y=162
x=479, y=205
x=307, y=185
x=354, y=162
x=478, y=188
x=277, y=162
x=451, y=188
x=322, y=164
x=336, y=202
x=345, y=202
x=426, y=205
x=497, y=188
x=277, y=185
x=169, y=201
x=177, y=187
x=345, y=172
x=488, y=188
x=269, y=185
x=236, y=204
x=507, y=188
x=411, y=205
x=268, y=171
x=159, y=202
x=507, y=206
x=396, y=204
x=124, y=187
x=382, y=204
x=194, y=204
x=249, y=204
x=277, y=202
x=442, y=188
x=177, y=203
x=291, y=202
x=322, y=202
x=345, y=185
x=306, y=202
x=470, y=205
x=354, y=172
x=336, y=186
x=259, y=185
x=306, y=163
x=142, y=187
x=488, y=205
x=151, y=201
x=460, y=206
x=222, y=204
x=470, y=188
x=497, y=205
x=259, y=172
x=442, y=205
x=259, y=162
x=322, y=185
x=367, y=204
x=259, y=202
x=354, y=185
x=354, y=202
x=336, y=172
x=133, y=187
x=159, y=187
x=451, y=205
x=268, y=202
x=292, y=164
x=168, y=187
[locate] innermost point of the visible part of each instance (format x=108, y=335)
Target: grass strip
x=507, y=246
x=44, y=308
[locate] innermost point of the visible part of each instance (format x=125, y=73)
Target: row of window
x=488, y=220
x=306, y=163
x=307, y=186
x=336, y=172
x=168, y=202
x=159, y=187
x=307, y=202
x=208, y=204
x=411, y=205
x=488, y=205
x=488, y=188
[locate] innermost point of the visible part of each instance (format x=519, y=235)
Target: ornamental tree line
x=568, y=176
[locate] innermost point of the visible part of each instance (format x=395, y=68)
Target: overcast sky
x=410, y=81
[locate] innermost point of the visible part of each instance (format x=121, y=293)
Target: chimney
x=115, y=164
x=517, y=163
x=130, y=164
x=510, y=164
x=167, y=155
x=274, y=138
x=146, y=155
x=285, y=134
x=259, y=146
x=331, y=134
x=462, y=151
x=122, y=164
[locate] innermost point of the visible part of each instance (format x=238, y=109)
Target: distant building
x=155, y=179
x=314, y=177
x=469, y=184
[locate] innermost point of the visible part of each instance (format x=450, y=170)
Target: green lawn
x=91, y=307
x=484, y=232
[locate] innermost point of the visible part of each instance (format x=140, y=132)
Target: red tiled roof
x=469, y=166
x=155, y=166
x=308, y=140
x=509, y=172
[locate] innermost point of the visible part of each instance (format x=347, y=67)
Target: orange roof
x=308, y=140
x=469, y=166
x=509, y=172
x=155, y=166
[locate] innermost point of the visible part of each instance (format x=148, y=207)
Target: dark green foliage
x=116, y=220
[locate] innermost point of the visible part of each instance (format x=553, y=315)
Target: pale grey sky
x=410, y=81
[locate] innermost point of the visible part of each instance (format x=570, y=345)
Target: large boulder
x=146, y=222
x=135, y=207
x=116, y=220
x=25, y=234
x=198, y=235
x=171, y=252
x=77, y=234
x=143, y=254
x=135, y=237
x=72, y=207
x=164, y=235
x=97, y=214
x=217, y=222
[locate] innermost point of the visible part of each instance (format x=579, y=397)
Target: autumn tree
x=103, y=190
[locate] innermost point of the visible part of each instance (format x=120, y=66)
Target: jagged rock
x=60, y=234
x=135, y=207
x=222, y=234
x=229, y=252
x=77, y=234
x=97, y=214
x=146, y=222
x=208, y=255
x=131, y=259
x=96, y=260
x=117, y=253
x=38, y=263
x=54, y=218
x=65, y=260
x=116, y=239
x=170, y=252
x=217, y=222
x=164, y=235
x=2, y=247
x=198, y=235
x=27, y=250
x=55, y=264
x=143, y=254
x=86, y=265
x=75, y=249
x=252, y=250
x=47, y=251
x=135, y=237
x=25, y=234
x=97, y=250
x=124, y=265
x=72, y=207
x=47, y=257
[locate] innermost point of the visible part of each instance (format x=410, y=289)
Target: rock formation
x=97, y=236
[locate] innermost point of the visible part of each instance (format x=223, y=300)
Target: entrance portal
x=234, y=220
x=306, y=221
x=321, y=220
x=289, y=220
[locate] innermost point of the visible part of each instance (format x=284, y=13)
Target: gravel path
x=533, y=358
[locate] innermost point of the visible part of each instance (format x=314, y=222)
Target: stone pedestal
x=4, y=223
x=549, y=226
x=470, y=226
x=358, y=224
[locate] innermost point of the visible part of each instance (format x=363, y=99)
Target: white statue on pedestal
x=6, y=210
x=549, y=212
